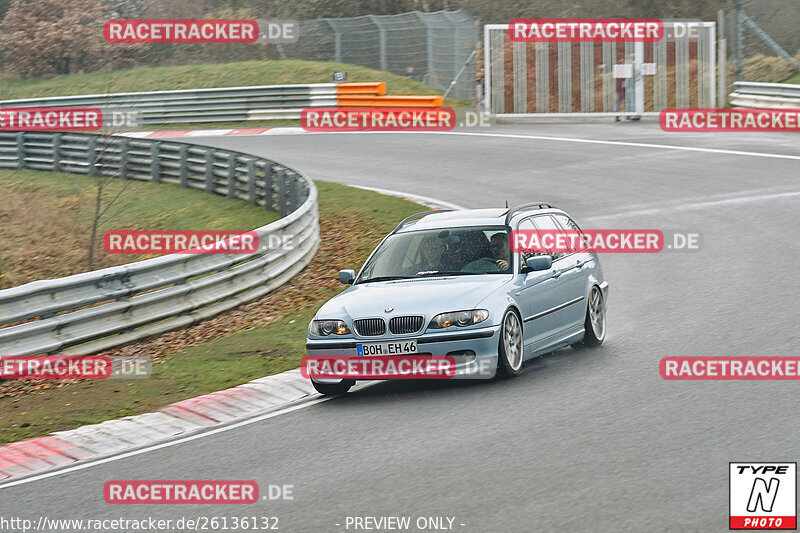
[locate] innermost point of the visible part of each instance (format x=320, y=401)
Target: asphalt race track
x=589, y=440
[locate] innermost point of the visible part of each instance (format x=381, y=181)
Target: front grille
x=370, y=327
x=405, y=324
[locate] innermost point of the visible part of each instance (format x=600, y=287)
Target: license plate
x=387, y=348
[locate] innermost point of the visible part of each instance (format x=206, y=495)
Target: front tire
x=332, y=389
x=595, y=323
x=509, y=361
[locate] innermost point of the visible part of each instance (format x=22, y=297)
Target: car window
x=471, y=250
x=528, y=224
x=567, y=223
x=546, y=222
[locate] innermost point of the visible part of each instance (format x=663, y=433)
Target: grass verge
x=254, y=340
x=274, y=72
x=46, y=220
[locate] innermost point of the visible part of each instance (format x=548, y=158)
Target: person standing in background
x=479, y=99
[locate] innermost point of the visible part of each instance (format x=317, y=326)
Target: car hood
x=425, y=296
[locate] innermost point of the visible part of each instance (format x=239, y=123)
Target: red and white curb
x=288, y=130
x=114, y=436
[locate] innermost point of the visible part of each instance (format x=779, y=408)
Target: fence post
x=251, y=181
x=282, y=192
x=231, y=176
x=337, y=40
x=155, y=167
x=21, y=150
x=210, y=171
x=56, y=152
x=429, y=76
x=381, y=41
x=183, y=152
x=456, y=48
x=739, y=40
x=91, y=157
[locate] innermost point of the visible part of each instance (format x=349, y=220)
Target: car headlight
x=459, y=318
x=323, y=328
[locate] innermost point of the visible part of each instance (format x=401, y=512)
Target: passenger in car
x=430, y=252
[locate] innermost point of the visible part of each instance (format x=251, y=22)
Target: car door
x=540, y=293
x=575, y=273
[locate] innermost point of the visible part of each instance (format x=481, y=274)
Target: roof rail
x=418, y=215
x=533, y=205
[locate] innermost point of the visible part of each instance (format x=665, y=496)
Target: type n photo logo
x=763, y=496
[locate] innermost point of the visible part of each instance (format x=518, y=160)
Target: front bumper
x=484, y=342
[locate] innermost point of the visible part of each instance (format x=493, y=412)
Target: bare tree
x=49, y=37
x=101, y=207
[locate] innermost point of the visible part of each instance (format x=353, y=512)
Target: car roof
x=495, y=216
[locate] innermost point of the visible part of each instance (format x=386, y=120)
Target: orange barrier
x=389, y=101
x=369, y=87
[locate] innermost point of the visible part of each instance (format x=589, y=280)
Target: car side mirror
x=537, y=263
x=347, y=276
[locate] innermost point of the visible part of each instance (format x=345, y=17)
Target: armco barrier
x=93, y=311
x=226, y=104
x=389, y=101
x=756, y=94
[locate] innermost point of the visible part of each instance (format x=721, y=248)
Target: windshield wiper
x=384, y=278
x=446, y=273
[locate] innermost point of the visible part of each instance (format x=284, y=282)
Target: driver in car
x=500, y=252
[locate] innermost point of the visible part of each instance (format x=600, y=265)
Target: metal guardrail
x=757, y=94
x=232, y=104
x=93, y=311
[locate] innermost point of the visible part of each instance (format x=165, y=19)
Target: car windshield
x=438, y=252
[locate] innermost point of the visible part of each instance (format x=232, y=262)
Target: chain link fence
x=434, y=48
x=766, y=41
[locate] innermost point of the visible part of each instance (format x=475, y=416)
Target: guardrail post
x=56, y=152
x=91, y=157
x=21, y=150
x=282, y=192
x=303, y=191
x=268, y=205
x=251, y=181
x=231, y=176
x=293, y=203
x=210, y=171
x=155, y=167
x=183, y=153
x=124, y=146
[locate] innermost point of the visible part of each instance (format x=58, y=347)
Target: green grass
x=794, y=79
x=163, y=205
x=46, y=220
x=275, y=72
x=352, y=222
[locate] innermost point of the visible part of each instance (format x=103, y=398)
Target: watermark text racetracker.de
x=192, y=242
x=730, y=368
x=401, y=366
x=74, y=367
x=377, y=119
x=547, y=241
x=586, y=30
x=237, y=31
x=728, y=120
x=68, y=118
